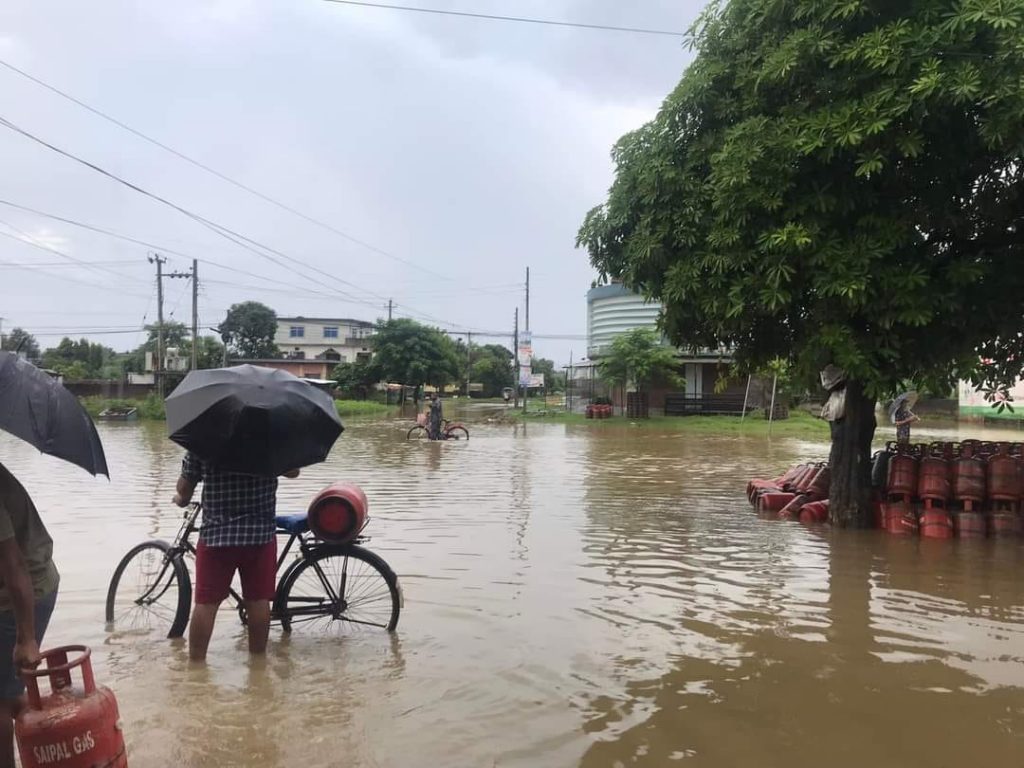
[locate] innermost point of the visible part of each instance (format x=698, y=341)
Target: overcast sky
x=470, y=148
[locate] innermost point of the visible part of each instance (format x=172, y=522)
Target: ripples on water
x=574, y=596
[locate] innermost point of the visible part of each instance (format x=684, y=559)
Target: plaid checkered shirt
x=238, y=510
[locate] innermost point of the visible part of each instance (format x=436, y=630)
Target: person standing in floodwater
x=28, y=592
x=435, y=417
x=903, y=418
x=238, y=533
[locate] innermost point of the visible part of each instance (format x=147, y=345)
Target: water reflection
x=574, y=596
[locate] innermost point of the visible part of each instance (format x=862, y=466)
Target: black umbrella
x=258, y=421
x=38, y=409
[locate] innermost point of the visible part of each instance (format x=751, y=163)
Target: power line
x=36, y=265
x=495, y=289
x=30, y=240
x=516, y=19
x=218, y=174
x=253, y=246
x=59, y=276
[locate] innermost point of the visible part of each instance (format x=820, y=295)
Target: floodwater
x=573, y=597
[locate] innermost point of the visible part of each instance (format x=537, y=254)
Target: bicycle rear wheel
x=339, y=591
x=457, y=432
x=150, y=592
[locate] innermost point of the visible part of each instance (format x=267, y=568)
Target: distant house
x=337, y=340
x=304, y=369
x=613, y=310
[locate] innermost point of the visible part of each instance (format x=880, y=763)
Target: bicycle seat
x=294, y=524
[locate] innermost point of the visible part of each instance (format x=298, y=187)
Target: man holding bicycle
x=237, y=534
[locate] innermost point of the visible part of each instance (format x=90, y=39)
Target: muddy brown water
x=574, y=597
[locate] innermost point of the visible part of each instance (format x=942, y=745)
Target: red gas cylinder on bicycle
x=72, y=727
x=338, y=513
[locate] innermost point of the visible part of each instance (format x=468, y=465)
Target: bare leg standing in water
x=237, y=535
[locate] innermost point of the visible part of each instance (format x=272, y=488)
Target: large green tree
x=406, y=352
x=638, y=356
x=20, y=340
x=493, y=368
x=836, y=182
x=249, y=329
x=356, y=380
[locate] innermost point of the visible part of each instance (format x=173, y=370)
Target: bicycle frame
x=182, y=544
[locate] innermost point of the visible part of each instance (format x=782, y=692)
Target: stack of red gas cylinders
x=967, y=489
x=800, y=494
x=598, y=411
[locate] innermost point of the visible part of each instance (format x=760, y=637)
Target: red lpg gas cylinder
x=969, y=479
x=338, y=513
x=771, y=503
x=814, y=512
x=1003, y=476
x=819, y=486
x=72, y=727
x=936, y=524
x=969, y=525
x=933, y=475
x=899, y=518
x=902, y=480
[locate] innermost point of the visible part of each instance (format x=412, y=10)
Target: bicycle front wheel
x=418, y=432
x=339, y=591
x=150, y=592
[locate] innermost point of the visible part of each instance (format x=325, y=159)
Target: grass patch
x=799, y=424
x=361, y=408
x=151, y=408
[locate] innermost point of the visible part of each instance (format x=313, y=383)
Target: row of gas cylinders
x=799, y=494
x=970, y=474
x=598, y=411
x=903, y=518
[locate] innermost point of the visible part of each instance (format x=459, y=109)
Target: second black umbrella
x=254, y=420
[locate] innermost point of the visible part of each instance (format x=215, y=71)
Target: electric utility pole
x=193, y=275
x=158, y=365
x=515, y=346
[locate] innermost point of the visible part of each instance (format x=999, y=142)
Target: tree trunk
x=850, y=461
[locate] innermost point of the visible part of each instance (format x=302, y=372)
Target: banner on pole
x=525, y=349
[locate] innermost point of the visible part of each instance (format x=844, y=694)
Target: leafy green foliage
x=356, y=380
x=493, y=368
x=406, y=352
x=639, y=357
x=249, y=329
x=546, y=367
x=20, y=340
x=835, y=182
x=176, y=335
x=77, y=360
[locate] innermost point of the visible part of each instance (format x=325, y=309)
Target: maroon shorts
x=216, y=566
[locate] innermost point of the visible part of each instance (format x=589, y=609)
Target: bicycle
x=328, y=587
x=450, y=430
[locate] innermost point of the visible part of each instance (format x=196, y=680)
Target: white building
x=613, y=310
x=342, y=340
